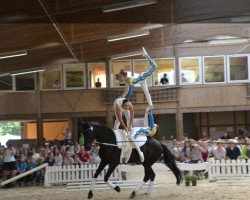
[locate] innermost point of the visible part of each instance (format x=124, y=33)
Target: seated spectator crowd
x=15, y=161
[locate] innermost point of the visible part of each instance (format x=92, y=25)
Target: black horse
x=110, y=155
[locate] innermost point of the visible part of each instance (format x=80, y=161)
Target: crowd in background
x=14, y=161
x=191, y=151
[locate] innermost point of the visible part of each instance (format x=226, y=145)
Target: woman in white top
x=9, y=162
x=123, y=105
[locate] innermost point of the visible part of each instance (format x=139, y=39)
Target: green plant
x=194, y=178
x=188, y=178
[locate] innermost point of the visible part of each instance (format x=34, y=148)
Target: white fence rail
x=228, y=168
x=76, y=173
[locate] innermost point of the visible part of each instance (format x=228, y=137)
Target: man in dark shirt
x=225, y=136
x=164, y=79
x=233, y=152
x=98, y=83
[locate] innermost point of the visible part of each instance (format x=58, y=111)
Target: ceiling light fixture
x=228, y=41
x=127, y=5
x=125, y=55
x=127, y=35
x=27, y=71
x=13, y=54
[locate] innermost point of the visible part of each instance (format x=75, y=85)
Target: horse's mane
x=103, y=127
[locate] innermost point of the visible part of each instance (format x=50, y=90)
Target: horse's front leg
x=101, y=166
x=107, y=175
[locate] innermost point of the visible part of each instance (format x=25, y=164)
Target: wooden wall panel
x=18, y=103
x=213, y=96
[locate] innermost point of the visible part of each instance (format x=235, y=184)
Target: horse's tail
x=169, y=160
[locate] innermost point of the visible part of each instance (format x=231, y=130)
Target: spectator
x=245, y=150
x=81, y=139
x=195, y=155
x=68, y=160
x=95, y=154
x=98, y=83
x=67, y=136
x=21, y=168
x=183, y=78
x=219, y=152
x=232, y=152
x=9, y=163
x=35, y=155
x=50, y=159
x=41, y=172
x=225, y=136
x=83, y=157
x=164, y=79
x=56, y=85
x=31, y=164
x=57, y=156
x=205, y=154
x=184, y=155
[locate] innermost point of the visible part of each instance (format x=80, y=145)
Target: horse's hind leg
x=151, y=182
x=142, y=183
x=106, y=178
x=101, y=166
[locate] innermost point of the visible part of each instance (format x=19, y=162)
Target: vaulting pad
x=121, y=137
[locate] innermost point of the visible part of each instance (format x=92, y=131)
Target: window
x=51, y=77
x=6, y=83
x=165, y=66
x=97, y=75
x=25, y=82
x=74, y=76
x=190, y=71
x=116, y=67
x=238, y=68
x=214, y=69
x=141, y=66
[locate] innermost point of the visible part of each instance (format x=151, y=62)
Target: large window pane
x=51, y=77
x=116, y=67
x=97, y=75
x=25, y=82
x=238, y=68
x=6, y=83
x=141, y=66
x=190, y=70
x=74, y=76
x=214, y=69
x=165, y=66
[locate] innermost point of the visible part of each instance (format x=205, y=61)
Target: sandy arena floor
x=166, y=189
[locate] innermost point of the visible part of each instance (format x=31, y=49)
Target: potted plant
x=194, y=179
x=187, y=180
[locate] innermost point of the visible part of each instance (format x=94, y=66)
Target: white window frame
x=95, y=88
x=51, y=89
x=200, y=70
x=133, y=71
x=14, y=84
x=111, y=72
x=171, y=58
x=64, y=76
x=228, y=68
x=203, y=70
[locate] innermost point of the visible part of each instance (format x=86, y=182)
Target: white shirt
x=118, y=102
x=8, y=156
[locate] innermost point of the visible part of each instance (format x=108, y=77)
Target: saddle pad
x=121, y=137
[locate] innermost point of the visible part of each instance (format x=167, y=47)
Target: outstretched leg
x=142, y=183
x=101, y=166
x=107, y=175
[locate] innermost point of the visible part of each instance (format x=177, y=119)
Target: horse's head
x=89, y=136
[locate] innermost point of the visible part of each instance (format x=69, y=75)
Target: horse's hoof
x=132, y=196
x=117, y=189
x=90, y=195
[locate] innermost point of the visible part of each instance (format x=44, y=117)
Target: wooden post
x=39, y=119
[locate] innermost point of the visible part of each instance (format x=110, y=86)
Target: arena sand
x=165, y=189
